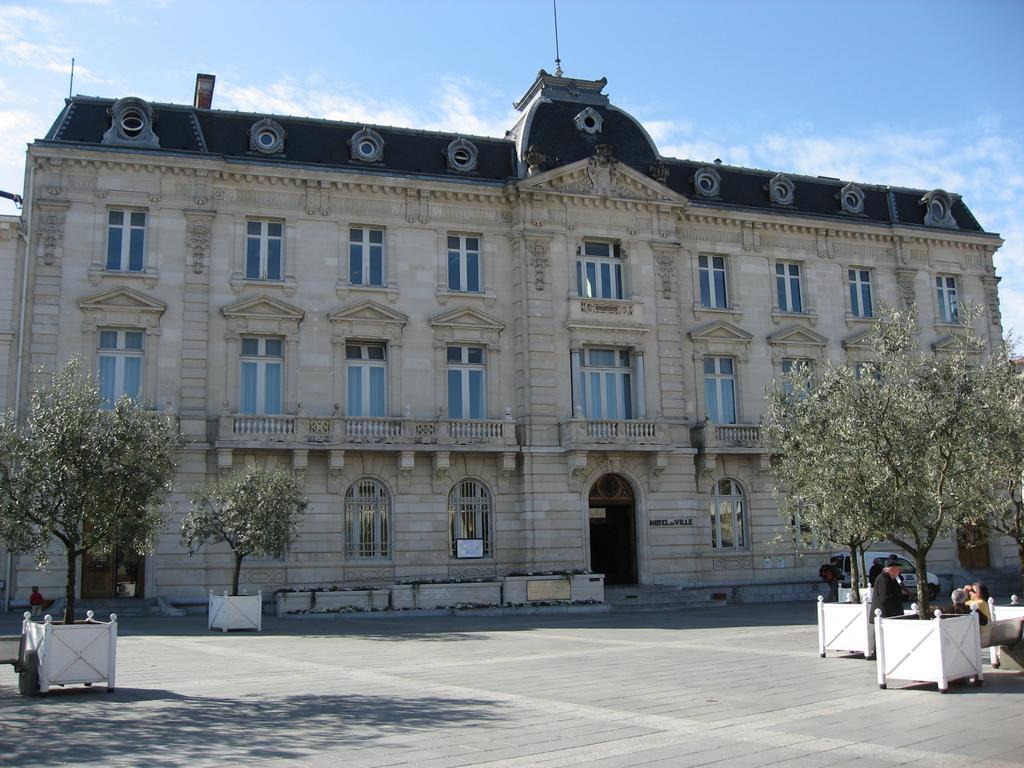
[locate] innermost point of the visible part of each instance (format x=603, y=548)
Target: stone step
x=654, y=598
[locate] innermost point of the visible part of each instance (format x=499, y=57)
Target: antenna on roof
x=71, y=85
x=558, y=61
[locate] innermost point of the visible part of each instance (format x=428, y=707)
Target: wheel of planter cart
x=28, y=675
x=978, y=682
x=882, y=686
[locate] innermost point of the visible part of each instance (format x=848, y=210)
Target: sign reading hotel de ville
x=662, y=522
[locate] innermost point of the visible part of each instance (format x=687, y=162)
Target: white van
x=908, y=573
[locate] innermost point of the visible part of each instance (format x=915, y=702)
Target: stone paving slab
x=741, y=685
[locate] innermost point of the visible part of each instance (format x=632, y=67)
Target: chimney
x=204, y=91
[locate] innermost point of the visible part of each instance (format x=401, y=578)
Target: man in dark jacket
x=887, y=594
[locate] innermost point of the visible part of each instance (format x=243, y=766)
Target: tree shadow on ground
x=88, y=725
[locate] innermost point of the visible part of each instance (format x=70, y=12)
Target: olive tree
x=84, y=474
x=255, y=511
x=910, y=461
x=822, y=478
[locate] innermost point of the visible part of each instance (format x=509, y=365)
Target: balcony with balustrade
x=581, y=433
x=305, y=432
x=712, y=439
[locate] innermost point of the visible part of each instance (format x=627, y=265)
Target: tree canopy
x=255, y=511
x=90, y=478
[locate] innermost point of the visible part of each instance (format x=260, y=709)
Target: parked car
x=908, y=573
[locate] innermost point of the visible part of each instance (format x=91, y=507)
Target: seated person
x=977, y=594
x=960, y=606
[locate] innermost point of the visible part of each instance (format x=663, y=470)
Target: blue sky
x=923, y=94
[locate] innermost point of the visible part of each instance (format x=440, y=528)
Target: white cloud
x=20, y=27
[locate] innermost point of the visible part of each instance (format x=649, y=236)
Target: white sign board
x=469, y=548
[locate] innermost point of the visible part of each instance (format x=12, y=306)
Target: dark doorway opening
x=613, y=530
x=972, y=547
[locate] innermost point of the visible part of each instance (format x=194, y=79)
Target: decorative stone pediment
x=602, y=176
x=466, y=324
x=367, y=320
x=952, y=342
x=797, y=342
x=121, y=306
x=860, y=340
x=720, y=338
x=263, y=314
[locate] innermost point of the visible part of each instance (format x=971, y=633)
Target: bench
x=12, y=651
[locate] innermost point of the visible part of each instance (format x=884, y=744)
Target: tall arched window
x=728, y=516
x=469, y=515
x=367, y=520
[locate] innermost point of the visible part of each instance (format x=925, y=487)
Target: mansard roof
x=564, y=121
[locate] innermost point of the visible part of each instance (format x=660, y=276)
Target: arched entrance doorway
x=613, y=530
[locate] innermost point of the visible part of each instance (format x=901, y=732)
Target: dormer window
x=938, y=209
x=266, y=136
x=367, y=146
x=781, y=189
x=589, y=121
x=707, y=182
x=131, y=122
x=461, y=156
x=851, y=199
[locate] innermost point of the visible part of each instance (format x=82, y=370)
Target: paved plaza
x=735, y=685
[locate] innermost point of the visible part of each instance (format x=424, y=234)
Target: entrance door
x=972, y=548
x=114, y=574
x=613, y=530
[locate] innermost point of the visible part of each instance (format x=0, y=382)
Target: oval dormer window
x=131, y=123
x=367, y=146
x=938, y=211
x=781, y=190
x=266, y=136
x=707, y=182
x=851, y=199
x=461, y=155
x=589, y=121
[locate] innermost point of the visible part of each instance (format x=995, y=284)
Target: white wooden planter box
x=427, y=596
x=586, y=587
x=235, y=612
x=332, y=600
x=84, y=652
x=1013, y=611
x=845, y=627
x=846, y=594
x=935, y=651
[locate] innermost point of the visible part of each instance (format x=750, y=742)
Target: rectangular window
x=262, y=375
x=860, y=293
x=787, y=283
x=464, y=263
x=366, y=256
x=263, y=250
x=466, y=383
x=607, y=384
x=126, y=241
x=367, y=520
x=945, y=289
x=720, y=389
x=599, y=270
x=712, y=282
x=119, y=362
x=366, y=366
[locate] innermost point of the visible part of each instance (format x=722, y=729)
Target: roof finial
x=558, y=61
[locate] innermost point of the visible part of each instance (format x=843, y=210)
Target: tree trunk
x=235, y=575
x=69, y=588
x=855, y=574
x=922, y=583
x=1020, y=555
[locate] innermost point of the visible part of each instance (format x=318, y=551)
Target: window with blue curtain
x=720, y=390
x=126, y=241
x=366, y=380
x=261, y=376
x=466, y=383
x=607, y=384
x=119, y=365
x=464, y=263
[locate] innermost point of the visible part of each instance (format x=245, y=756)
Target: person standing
x=876, y=568
x=886, y=593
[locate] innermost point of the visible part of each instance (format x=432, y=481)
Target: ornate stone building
x=484, y=355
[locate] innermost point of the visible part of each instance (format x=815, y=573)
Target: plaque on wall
x=468, y=549
x=548, y=589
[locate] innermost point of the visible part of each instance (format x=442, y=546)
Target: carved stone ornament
x=367, y=146
x=659, y=172
x=266, y=136
x=666, y=272
x=461, y=156
x=51, y=234
x=535, y=160
x=197, y=240
x=938, y=211
x=589, y=121
x=991, y=287
x=537, y=257
x=908, y=291
x=707, y=182
x=601, y=169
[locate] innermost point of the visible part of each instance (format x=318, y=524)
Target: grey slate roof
x=323, y=144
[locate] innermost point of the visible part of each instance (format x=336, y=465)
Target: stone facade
x=539, y=445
